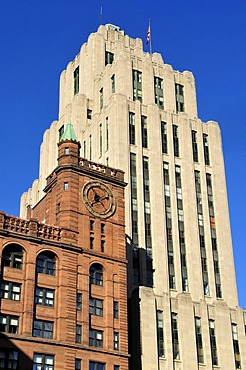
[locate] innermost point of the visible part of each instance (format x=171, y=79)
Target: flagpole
x=101, y=13
x=150, y=40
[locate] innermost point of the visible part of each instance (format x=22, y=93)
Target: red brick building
x=63, y=272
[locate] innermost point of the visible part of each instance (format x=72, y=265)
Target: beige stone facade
x=132, y=111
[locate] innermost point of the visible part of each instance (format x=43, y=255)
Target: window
x=46, y=263
x=214, y=354
x=175, y=337
x=89, y=114
x=66, y=151
x=92, y=223
x=79, y=301
x=101, y=98
x=164, y=137
x=78, y=336
x=77, y=364
x=100, y=140
x=90, y=147
x=9, y=324
x=137, y=85
x=144, y=132
x=84, y=149
x=199, y=346
x=96, y=274
x=147, y=215
x=43, y=362
x=96, y=366
x=116, y=310
x=107, y=141
x=76, y=80
x=116, y=340
x=236, y=346
x=61, y=132
x=13, y=256
x=95, y=338
x=132, y=128
x=206, y=149
x=96, y=307
x=160, y=333
x=134, y=200
x=44, y=296
x=109, y=57
x=102, y=245
x=158, y=85
x=10, y=290
x=102, y=228
x=194, y=146
x=175, y=141
x=65, y=185
x=179, y=93
x=91, y=243
x=8, y=358
x=116, y=367
x=113, y=84
x=43, y=329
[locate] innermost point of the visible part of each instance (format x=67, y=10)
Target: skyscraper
x=132, y=111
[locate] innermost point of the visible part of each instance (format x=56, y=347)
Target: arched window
x=13, y=256
x=96, y=274
x=46, y=263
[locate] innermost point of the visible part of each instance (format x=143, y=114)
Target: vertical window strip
x=100, y=140
x=171, y=269
x=175, y=336
x=147, y=212
x=90, y=148
x=113, y=84
x=101, y=98
x=199, y=345
x=164, y=137
x=194, y=146
x=175, y=141
x=181, y=230
x=107, y=138
x=201, y=234
x=137, y=85
x=214, y=354
x=134, y=201
x=132, y=128
x=76, y=80
x=236, y=346
x=144, y=132
x=158, y=85
x=213, y=236
x=179, y=93
x=160, y=333
x=206, y=149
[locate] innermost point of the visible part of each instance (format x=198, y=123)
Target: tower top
x=69, y=133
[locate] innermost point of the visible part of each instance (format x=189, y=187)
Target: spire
x=69, y=133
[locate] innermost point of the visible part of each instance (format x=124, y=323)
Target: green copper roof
x=69, y=133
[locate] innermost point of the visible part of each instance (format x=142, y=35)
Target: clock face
x=98, y=199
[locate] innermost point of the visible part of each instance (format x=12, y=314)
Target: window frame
x=42, y=331
x=9, y=292
x=44, y=365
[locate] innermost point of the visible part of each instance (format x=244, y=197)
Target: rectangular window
x=79, y=301
x=89, y=114
x=78, y=335
x=137, y=85
x=96, y=307
x=107, y=137
x=109, y=57
x=44, y=296
x=66, y=151
x=100, y=140
x=96, y=366
x=90, y=143
x=95, y=338
x=164, y=137
x=132, y=128
x=92, y=225
x=147, y=211
x=8, y=358
x=43, y=361
x=206, y=149
x=213, y=345
x=160, y=333
x=236, y=346
x=76, y=80
x=101, y=98
x=199, y=346
x=65, y=185
x=113, y=84
x=134, y=201
x=10, y=290
x=144, y=132
x=179, y=93
x=116, y=310
x=43, y=329
x=91, y=243
x=102, y=245
x=9, y=324
x=194, y=146
x=84, y=149
x=77, y=364
x=158, y=84
x=116, y=340
x=61, y=132
x=102, y=229
x=175, y=141
x=175, y=336
x=116, y=367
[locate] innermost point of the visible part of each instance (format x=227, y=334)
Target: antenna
x=101, y=15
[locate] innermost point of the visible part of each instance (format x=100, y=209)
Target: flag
x=148, y=36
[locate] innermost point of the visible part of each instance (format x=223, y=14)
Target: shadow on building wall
x=11, y=356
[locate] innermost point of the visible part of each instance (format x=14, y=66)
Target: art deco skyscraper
x=132, y=111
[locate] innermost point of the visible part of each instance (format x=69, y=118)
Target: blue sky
x=38, y=39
